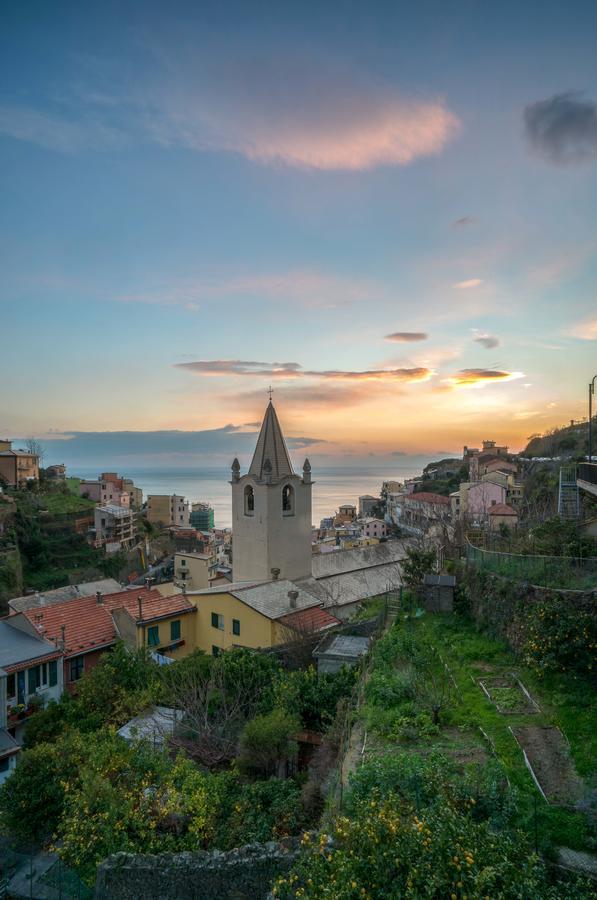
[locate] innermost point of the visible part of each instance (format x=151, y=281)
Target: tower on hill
x=271, y=511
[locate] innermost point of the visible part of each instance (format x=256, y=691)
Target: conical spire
x=271, y=448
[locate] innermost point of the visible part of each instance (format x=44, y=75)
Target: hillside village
x=389, y=643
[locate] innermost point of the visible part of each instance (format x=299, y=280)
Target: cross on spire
x=270, y=391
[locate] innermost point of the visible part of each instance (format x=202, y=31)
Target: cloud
x=472, y=377
x=489, y=341
x=241, y=367
x=311, y=289
x=563, y=128
x=585, y=331
x=236, y=367
x=465, y=220
x=465, y=285
x=406, y=337
x=109, y=448
x=273, y=109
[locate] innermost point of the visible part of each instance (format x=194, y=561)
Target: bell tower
x=271, y=511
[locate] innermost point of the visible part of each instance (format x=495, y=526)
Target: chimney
x=140, y=602
x=275, y=574
x=293, y=597
x=99, y=598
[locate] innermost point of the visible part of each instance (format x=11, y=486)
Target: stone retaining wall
x=245, y=873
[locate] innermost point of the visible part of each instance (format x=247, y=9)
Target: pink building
x=374, y=528
x=481, y=496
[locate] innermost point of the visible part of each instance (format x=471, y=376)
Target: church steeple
x=271, y=457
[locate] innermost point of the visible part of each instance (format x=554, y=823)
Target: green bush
x=266, y=742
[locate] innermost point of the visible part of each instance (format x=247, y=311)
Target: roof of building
x=18, y=647
x=119, y=512
x=271, y=598
x=154, y=725
x=343, y=646
x=310, y=620
x=89, y=625
x=69, y=592
x=502, y=509
x=8, y=745
x=428, y=497
x=324, y=565
x=440, y=580
x=271, y=455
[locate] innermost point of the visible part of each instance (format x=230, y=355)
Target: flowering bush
x=388, y=850
x=560, y=637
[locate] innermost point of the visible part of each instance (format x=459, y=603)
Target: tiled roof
x=271, y=598
x=18, y=649
x=428, y=497
x=310, y=620
x=89, y=625
x=58, y=595
x=502, y=509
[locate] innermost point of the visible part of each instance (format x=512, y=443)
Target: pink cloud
x=585, y=331
x=470, y=283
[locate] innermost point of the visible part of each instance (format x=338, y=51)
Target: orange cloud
x=470, y=283
x=406, y=337
x=246, y=368
x=478, y=377
x=586, y=331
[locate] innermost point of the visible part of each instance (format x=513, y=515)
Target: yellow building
x=165, y=625
x=195, y=569
x=17, y=467
x=256, y=615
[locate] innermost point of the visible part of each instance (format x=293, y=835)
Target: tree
x=266, y=744
x=36, y=448
x=417, y=564
x=217, y=696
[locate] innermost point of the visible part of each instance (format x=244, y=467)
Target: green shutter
x=153, y=636
x=236, y=626
x=53, y=672
x=214, y=620
x=175, y=630
x=33, y=679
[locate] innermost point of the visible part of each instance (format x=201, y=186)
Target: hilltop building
x=164, y=509
x=202, y=516
x=17, y=467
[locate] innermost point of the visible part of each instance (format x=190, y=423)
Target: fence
x=336, y=789
x=31, y=876
x=563, y=572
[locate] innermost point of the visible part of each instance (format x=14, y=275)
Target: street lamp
x=591, y=392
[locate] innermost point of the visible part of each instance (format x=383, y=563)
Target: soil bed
x=508, y=696
x=548, y=754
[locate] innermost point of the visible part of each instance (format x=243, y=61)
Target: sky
x=385, y=211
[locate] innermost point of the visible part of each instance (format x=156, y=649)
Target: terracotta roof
x=314, y=619
x=428, y=497
x=502, y=509
x=89, y=625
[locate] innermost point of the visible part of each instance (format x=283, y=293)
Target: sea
x=331, y=486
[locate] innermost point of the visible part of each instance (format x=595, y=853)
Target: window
x=215, y=651
x=53, y=672
x=236, y=626
x=153, y=636
x=77, y=667
x=11, y=687
x=249, y=501
x=288, y=500
x=175, y=630
x=37, y=677
x=183, y=562
x=4, y=763
x=217, y=621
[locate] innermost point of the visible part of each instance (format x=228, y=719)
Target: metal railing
x=588, y=472
x=564, y=572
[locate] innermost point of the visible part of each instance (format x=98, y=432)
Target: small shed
x=339, y=650
x=438, y=593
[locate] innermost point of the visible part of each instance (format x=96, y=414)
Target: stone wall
x=246, y=873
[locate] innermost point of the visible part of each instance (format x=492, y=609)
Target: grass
x=563, y=700
x=59, y=503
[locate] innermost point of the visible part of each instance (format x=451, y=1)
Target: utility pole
x=591, y=392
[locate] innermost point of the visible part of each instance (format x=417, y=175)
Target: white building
x=271, y=511
x=115, y=528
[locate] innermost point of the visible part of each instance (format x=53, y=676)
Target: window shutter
x=53, y=672
x=32, y=678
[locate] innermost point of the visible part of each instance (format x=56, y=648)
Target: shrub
x=266, y=743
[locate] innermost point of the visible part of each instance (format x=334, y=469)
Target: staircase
x=568, y=494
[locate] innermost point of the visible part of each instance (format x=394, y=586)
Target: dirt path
x=548, y=754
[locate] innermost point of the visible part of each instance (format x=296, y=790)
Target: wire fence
x=28, y=875
x=573, y=573
x=336, y=791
